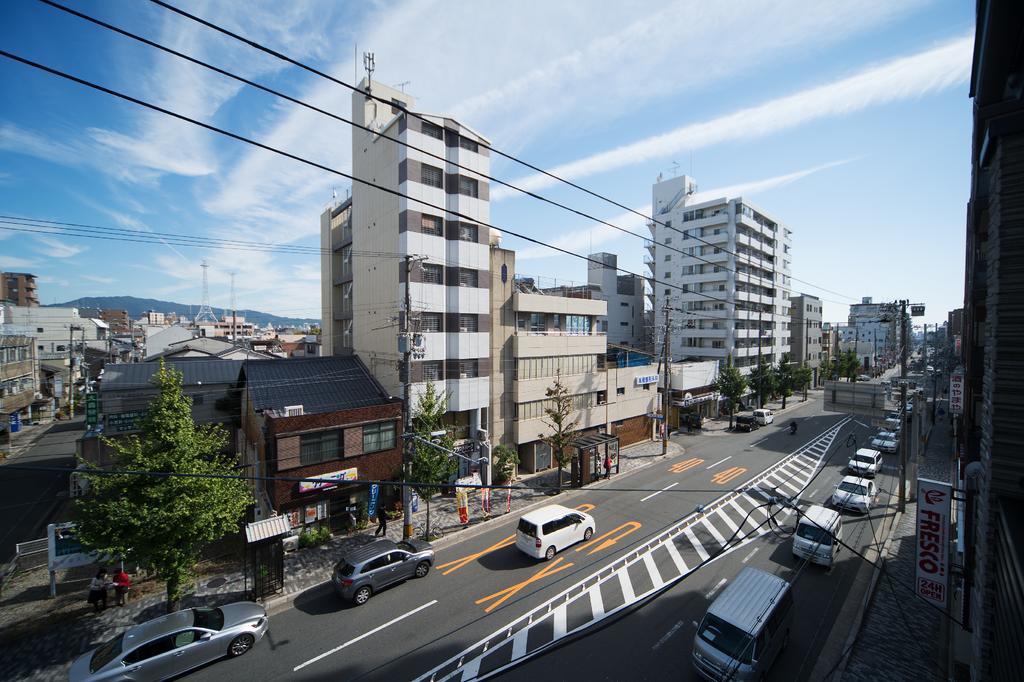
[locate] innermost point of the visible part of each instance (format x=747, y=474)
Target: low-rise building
x=805, y=333
x=326, y=421
x=693, y=392
x=18, y=380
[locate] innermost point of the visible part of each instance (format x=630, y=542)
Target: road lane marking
x=716, y=588
x=558, y=622
x=813, y=493
x=607, y=540
x=699, y=548
x=712, y=466
x=459, y=563
x=519, y=643
x=680, y=467
x=723, y=477
x=749, y=556
x=504, y=595
x=653, y=570
x=676, y=557
x=363, y=636
x=667, y=635
x=596, y=603
x=660, y=491
x=627, y=587
x=714, y=531
x=729, y=522
x=586, y=507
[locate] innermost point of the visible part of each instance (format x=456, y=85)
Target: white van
x=764, y=417
x=548, y=530
x=745, y=628
x=818, y=534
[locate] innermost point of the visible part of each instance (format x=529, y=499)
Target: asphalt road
x=483, y=584
x=27, y=498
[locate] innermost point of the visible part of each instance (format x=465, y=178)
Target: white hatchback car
x=546, y=531
x=865, y=462
x=855, y=493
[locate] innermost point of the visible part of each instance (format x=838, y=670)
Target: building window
x=668, y=240
x=431, y=176
x=467, y=232
x=377, y=437
x=467, y=323
x=39, y=330
x=433, y=274
x=432, y=130
x=668, y=275
x=319, y=447
x=469, y=369
x=432, y=224
x=432, y=371
x=621, y=390
x=468, y=144
x=430, y=322
x=468, y=277
x=469, y=187
x=668, y=257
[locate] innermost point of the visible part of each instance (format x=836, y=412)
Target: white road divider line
x=716, y=588
x=712, y=466
x=363, y=636
x=750, y=556
x=667, y=635
x=660, y=491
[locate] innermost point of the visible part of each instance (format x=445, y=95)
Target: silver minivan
x=745, y=628
x=818, y=533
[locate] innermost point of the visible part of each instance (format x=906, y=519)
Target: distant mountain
x=137, y=306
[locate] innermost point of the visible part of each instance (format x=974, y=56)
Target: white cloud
x=56, y=248
x=98, y=279
x=900, y=79
x=600, y=234
x=13, y=263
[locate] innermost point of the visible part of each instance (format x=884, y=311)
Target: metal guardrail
x=31, y=554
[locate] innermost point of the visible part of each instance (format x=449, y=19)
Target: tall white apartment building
x=724, y=268
x=370, y=237
x=624, y=324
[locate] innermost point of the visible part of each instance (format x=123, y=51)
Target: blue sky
x=850, y=122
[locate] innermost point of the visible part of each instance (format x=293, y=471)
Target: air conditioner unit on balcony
x=293, y=410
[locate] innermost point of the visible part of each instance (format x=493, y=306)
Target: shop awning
x=266, y=529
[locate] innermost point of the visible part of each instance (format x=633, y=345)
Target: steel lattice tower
x=205, y=313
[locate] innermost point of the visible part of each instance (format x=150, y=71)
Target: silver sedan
x=173, y=644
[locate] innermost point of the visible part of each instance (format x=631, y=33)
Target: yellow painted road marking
x=586, y=507
x=680, y=467
x=608, y=539
x=459, y=563
x=725, y=476
x=506, y=594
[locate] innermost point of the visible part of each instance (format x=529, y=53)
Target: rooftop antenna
x=205, y=313
x=402, y=85
x=369, y=65
x=675, y=168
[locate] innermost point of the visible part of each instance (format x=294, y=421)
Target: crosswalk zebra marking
x=676, y=557
x=626, y=585
x=697, y=546
x=714, y=532
x=653, y=570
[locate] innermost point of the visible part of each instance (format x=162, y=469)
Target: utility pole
x=904, y=435
x=666, y=389
x=71, y=371
x=406, y=399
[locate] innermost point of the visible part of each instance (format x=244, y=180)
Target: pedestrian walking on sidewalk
x=382, y=521
x=607, y=466
x=98, y=590
x=122, y=583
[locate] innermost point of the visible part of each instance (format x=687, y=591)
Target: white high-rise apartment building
x=364, y=273
x=724, y=268
x=624, y=324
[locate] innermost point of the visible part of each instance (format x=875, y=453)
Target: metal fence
x=31, y=554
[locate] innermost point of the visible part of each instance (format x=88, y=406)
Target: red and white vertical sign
x=956, y=391
x=933, y=507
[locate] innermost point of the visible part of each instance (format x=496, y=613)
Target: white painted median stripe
x=660, y=491
x=712, y=466
x=716, y=588
x=667, y=635
x=362, y=636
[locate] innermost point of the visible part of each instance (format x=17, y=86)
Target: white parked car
x=855, y=493
x=863, y=377
x=764, y=417
x=865, y=462
x=548, y=530
x=885, y=444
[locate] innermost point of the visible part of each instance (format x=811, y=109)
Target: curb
x=284, y=601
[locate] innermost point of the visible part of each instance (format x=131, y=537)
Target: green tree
x=557, y=416
x=432, y=466
x=764, y=380
x=784, y=378
x=732, y=385
x=802, y=378
x=849, y=365
x=164, y=521
x=506, y=461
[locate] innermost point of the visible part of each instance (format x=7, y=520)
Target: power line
x=278, y=55
x=314, y=164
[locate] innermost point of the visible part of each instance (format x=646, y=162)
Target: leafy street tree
x=506, y=461
x=849, y=365
x=431, y=465
x=557, y=414
x=802, y=378
x=163, y=522
x=784, y=378
x=732, y=385
x=764, y=380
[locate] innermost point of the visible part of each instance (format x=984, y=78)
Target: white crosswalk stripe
x=729, y=522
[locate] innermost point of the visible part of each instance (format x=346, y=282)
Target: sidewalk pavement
x=26, y=437
x=70, y=628
x=901, y=636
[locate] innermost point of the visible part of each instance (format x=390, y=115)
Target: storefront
x=693, y=407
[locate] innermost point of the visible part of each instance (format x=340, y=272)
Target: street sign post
x=92, y=409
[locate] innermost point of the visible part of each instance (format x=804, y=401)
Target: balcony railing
x=556, y=332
